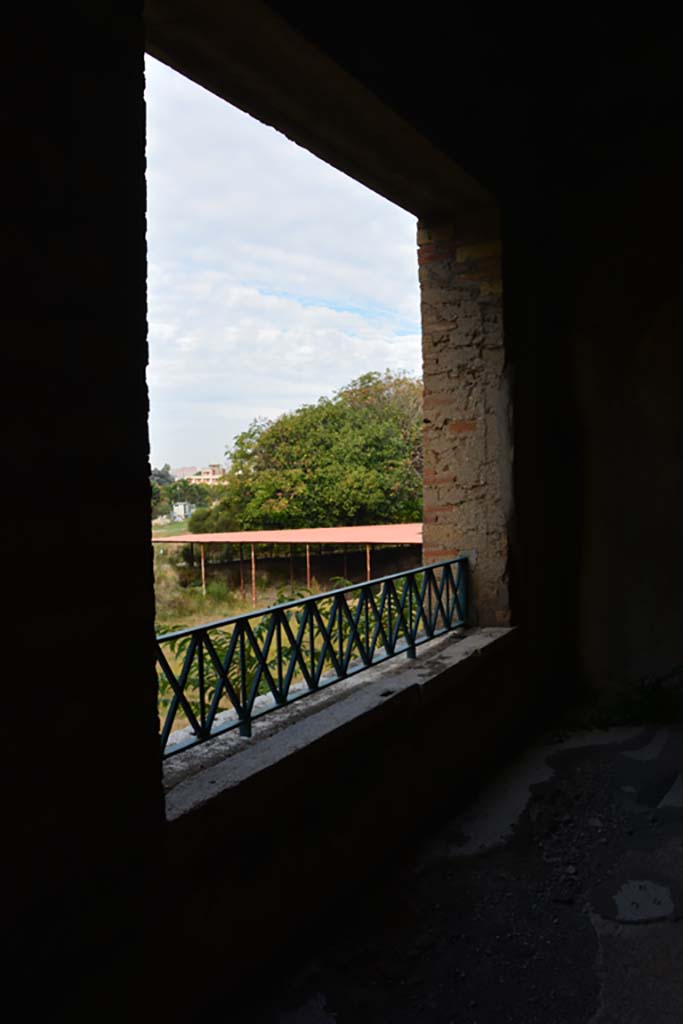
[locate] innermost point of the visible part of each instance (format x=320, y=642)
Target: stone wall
x=466, y=408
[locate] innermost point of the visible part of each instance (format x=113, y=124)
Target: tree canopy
x=165, y=495
x=352, y=459
x=162, y=476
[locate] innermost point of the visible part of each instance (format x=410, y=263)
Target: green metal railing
x=223, y=675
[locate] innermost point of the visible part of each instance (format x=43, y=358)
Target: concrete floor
x=556, y=898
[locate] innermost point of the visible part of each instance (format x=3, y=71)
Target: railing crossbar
x=379, y=625
x=224, y=684
x=264, y=660
x=439, y=588
x=178, y=686
x=297, y=657
x=328, y=645
x=263, y=669
x=355, y=637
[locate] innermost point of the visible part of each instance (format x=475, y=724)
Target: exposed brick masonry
x=467, y=451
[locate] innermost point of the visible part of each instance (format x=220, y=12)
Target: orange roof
x=390, y=533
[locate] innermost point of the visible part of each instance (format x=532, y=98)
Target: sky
x=273, y=278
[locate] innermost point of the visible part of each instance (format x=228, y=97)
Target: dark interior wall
x=625, y=328
x=78, y=709
x=593, y=277
x=546, y=546
x=594, y=328
x=464, y=79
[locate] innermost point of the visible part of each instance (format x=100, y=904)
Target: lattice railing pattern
x=223, y=675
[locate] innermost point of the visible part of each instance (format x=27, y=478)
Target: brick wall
x=466, y=408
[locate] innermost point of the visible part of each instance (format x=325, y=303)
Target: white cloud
x=273, y=278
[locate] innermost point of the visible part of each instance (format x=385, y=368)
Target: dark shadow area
x=545, y=923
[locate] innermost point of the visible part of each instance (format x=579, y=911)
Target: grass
x=170, y=529
x=183, y=605
x=179, y=607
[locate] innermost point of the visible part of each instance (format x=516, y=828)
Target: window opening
x=275, y=282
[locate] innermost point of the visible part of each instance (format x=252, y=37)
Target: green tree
x=199, y=521
x=162, y=476
x=354, y=458
x=161, y=505
x=165, y=495
x=196, y=494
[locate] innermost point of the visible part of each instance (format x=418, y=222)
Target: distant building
x=211, y=475
x=181, y=510
x=183, y=472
